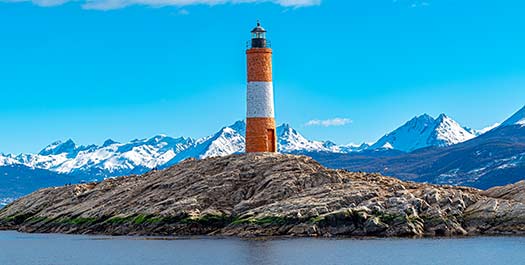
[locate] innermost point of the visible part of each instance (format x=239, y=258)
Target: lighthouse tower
x=260, y=120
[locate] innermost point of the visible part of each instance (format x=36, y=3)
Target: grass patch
x=148, y=219
x=116, y=220
x=140, y=219
x=81, y=221
x=38, y=219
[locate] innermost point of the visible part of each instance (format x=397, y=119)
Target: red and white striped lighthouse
x=260, y=120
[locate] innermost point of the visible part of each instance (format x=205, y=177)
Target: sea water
x=52, y=249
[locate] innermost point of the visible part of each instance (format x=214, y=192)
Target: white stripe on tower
x=260, y=100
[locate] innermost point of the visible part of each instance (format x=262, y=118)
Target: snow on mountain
x=449, y=132
x=289, y=140
x=385, y=146
x=7, y=160
x=112, y=158
x=59, y=147
x=137, y=156
x=517, y=119
x=482, y=131
x=350, y=148
x=424, y=131
x=229, y=140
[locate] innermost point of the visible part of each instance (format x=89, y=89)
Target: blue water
x=34, y=249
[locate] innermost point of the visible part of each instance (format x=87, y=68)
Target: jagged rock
x=255, y=195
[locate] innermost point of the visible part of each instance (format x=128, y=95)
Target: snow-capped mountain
x=424, y=131
x=289, y=140
x=110, y=159
x=494, y=158
x=229, y=140
x=138, y=156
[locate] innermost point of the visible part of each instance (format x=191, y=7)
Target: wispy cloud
x=117, y=4
x=329, y=122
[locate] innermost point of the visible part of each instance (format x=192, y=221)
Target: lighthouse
x=260, y=118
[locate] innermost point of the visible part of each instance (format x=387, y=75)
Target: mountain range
x=137, y=156
x=422, y=139
x=494, y=158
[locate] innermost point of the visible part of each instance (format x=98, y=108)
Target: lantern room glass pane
x=259, y=35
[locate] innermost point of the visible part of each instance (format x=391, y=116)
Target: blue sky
x=92, y=70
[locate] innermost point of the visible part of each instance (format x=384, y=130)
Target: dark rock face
x=266, y=195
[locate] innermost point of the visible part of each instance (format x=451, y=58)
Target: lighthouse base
x=261, y=135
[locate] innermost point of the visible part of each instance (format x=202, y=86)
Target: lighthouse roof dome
x=259, y=28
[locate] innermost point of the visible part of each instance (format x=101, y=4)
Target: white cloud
x=329, y=122
x=116, y=4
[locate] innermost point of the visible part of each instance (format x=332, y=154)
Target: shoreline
x=262, y=238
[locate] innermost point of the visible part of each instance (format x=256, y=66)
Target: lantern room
x=259, y=37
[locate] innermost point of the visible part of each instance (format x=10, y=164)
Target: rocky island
x=265, y=194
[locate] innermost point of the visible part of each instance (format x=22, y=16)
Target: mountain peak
x=157, y=138
x=517, y=119
x=290, y=140
x=285, y=126
x=239, y=126
x=421, y=121
x=449, y=132
x=424, y=131
x=59, y=147
x=442, y=117
x=108, y=142
x=423, y=117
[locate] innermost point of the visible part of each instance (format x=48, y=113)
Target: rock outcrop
x=267, y=195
